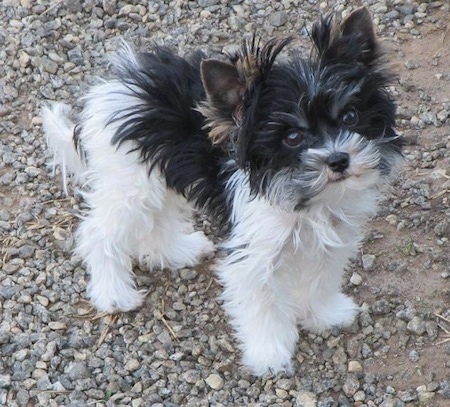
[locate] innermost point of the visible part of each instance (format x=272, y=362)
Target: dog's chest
x=322, y=235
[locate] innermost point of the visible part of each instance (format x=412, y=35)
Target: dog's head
x=306, y=129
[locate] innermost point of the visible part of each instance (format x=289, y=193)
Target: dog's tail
x=60, y=133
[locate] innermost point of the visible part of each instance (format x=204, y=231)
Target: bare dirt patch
x=412, y=247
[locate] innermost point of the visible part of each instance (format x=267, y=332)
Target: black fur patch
x=168, y=131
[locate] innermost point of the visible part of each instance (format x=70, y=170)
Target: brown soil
x=419, y=253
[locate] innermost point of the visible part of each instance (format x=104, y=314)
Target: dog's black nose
x=338, y=162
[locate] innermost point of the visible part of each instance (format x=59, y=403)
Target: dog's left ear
x=359, y=25
x=359, y=22
x=351, y=41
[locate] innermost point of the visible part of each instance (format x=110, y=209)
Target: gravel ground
x=178, y=350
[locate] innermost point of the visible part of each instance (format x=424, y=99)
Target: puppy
x=287, y=154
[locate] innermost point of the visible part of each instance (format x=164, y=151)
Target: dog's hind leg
x=109, y=264
x=107, y=235
x=107, y=240
x=173, y=243
x=132, y=219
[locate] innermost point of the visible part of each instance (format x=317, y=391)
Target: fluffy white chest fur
x=285, y=268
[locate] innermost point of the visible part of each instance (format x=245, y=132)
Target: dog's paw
x=338, y=310
x=201, y=246
x=270, y=352
x=110, y=300
x=189, y=250
x=274, y=362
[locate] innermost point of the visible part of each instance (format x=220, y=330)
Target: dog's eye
x=293, y=139
x=350, y=118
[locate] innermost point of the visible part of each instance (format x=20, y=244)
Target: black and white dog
x=288, y=153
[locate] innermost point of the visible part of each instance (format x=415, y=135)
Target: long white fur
x=59, y=130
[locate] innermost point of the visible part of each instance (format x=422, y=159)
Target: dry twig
x=446, y=331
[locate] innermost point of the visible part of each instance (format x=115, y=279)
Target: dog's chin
x=338, y=188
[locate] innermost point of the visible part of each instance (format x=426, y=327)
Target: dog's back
x=148, y=109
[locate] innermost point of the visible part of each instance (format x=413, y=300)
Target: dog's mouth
x=339, y=177
x=334, y=178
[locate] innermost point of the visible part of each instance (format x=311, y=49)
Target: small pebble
x=368, y=261
x=356, y=279
x=215, y=382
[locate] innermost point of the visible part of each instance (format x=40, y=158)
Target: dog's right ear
x=224, y=99
x=230, y=87
x=224, y=90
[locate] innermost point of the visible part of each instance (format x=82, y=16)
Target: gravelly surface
x=178, y=349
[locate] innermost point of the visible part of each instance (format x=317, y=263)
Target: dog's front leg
x=256, y=293
x=261, y=313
